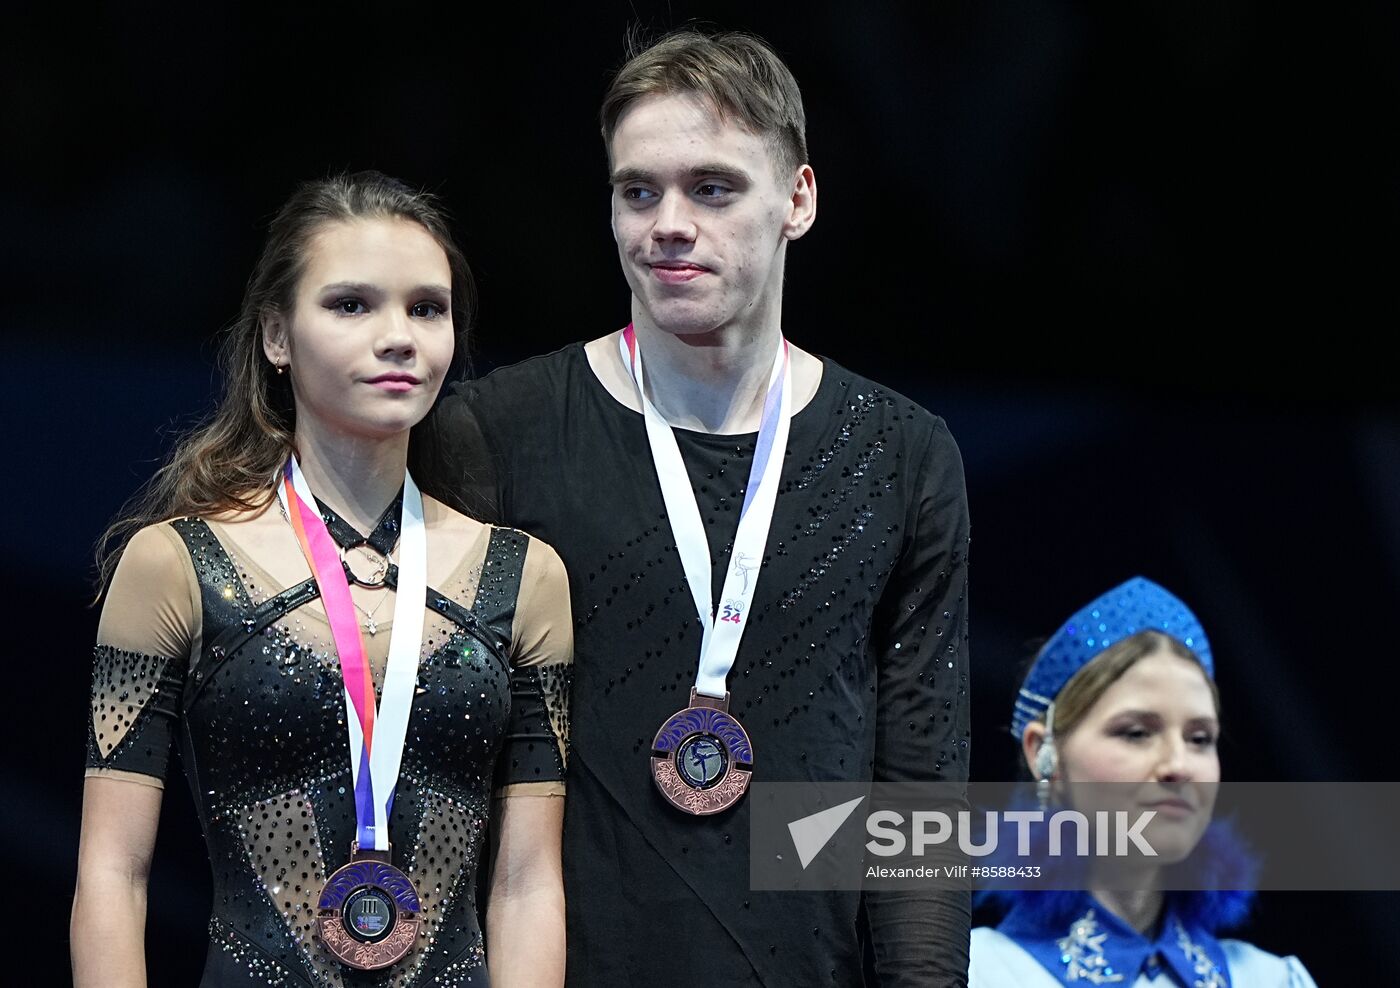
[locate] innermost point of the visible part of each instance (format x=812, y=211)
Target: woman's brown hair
x=228, y=462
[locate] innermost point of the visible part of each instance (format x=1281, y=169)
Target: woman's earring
x=281, y=370
x=1047, y=759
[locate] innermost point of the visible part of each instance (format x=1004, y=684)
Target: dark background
x=1140, y=256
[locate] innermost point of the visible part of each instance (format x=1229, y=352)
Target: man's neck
x=709, y=382
x=357, y=477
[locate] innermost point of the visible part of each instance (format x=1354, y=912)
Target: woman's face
x=369, y=336
x=1154, y=729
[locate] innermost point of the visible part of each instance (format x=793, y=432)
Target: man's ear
x=803, y=210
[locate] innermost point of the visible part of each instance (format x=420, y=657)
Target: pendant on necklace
x=370, y=626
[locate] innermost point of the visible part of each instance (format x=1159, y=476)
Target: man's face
x=701, y=217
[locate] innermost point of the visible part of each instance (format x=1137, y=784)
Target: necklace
x=371, y=626
x=376, y=547
x=376, y=580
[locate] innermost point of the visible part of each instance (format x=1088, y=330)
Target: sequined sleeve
x=536, y=745
x=922, y=719
x=920, y=631
x=149, y=624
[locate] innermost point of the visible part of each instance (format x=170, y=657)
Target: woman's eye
x=349, y=306
x=426, y=310
x=1203, y=740
x=1132, y=733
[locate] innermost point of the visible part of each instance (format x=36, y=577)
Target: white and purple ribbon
x=376, y=735
x=722, y=629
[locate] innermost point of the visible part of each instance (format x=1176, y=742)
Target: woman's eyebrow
x=1138, y=714
x=352, y=287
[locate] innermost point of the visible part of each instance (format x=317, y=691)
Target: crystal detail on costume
x=449, y=839
x=261, y=970
x=1081, y=951
x=266, y=736
x=123, y=685
x=1207, y=974
x=282, y=840
x=463, y=971
x=556, y=682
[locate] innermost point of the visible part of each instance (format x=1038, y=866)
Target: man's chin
x=683, y=322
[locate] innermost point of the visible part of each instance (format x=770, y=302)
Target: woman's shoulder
x=164, y=551
x=153, y=548
x=996, y=960
x=989, y=936
x=151, y=604
x=1250, y=966
x=259, y=511
x=464, y=535
x=442, y=518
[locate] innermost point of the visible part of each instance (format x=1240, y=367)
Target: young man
x=830, y=624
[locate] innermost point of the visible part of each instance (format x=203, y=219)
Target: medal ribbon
x=719, y=643
x=376, y=736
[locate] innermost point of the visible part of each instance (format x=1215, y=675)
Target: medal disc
x=369, y=913
x=702, y=758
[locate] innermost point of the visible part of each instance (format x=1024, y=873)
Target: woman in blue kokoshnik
x=1121, y=705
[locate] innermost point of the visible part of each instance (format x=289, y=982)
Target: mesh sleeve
x=144, y=640
x=536, y=748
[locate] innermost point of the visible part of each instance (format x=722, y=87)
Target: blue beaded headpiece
x=1138, y=605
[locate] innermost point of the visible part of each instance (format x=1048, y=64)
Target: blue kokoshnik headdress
x=1039, y=918
x=1137, y=605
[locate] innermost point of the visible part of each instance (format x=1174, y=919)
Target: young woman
x=1120, y=706
x=357, y=676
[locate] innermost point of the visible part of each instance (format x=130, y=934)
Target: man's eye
x=427, y=310
x=638, y=194
x=349, y=307
x=711, y=190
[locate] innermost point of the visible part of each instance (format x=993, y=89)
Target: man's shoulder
x=882, y=404
x=481, y=423
x=525, y=382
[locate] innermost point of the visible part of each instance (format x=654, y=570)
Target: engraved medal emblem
x=369, y=913
x=702, y=759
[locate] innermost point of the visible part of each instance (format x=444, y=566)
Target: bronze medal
x=369, y=913
x=702, y=758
